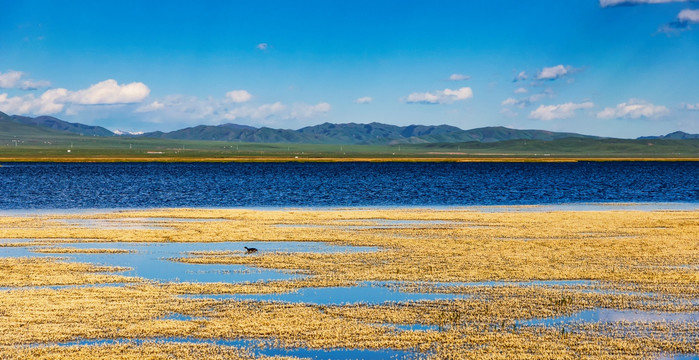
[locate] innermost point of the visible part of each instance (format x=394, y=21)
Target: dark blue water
x=145, y=185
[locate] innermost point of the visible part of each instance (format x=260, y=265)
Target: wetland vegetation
x=527, y=283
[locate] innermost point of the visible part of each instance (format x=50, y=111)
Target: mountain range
x=326, y=133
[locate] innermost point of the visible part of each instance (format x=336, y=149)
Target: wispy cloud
x=153, y=106
x=521, y=91
x=13, y=80
x=186, y=110
x=522, y=76
x=610, y=3
x=458, y=77
x=255, y=112
x=307, y=111
x=682, y=23
x=562, y=111
x=363, y=100
x=553, y=72
x=691, y=107
x=527, y=101
x=275, y=113
x=633, y=109
x=262, y=46
x=446, y=96
x=239, y=96
x=689, y=15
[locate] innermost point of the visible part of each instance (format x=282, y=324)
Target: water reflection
x=613, y=315
x=363, y=293
x=150, y=260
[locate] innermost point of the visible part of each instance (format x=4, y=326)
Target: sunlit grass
x=629, y=259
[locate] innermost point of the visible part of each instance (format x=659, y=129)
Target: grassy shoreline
x=280, y=159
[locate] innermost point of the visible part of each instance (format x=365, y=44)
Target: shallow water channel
x=151, y=260
x=260, y=348
x=613, y=315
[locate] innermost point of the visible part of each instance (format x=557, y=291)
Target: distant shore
x=279, y=159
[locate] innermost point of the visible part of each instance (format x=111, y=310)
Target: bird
x=250, y=250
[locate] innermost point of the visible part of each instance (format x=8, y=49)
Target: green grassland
x=57, y=146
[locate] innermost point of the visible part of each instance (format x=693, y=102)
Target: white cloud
x=110, y=92
x=189, y=107
x=47, y=103
x=527, y=101
x=239, y=96
x=458, y=77
x=255, y=113
x=633, y=109
x=562, y=111
x=553, y=73
x=277, y=110
x=364, y=100
x=691, y=107
x=13, y=79
x=446, y=96
x=688, y=15
x=155, y=105
x=684, y=19
x=508, y=102
x=10, y=79
x=521, y=76
x=521, y=91
x=33, y=85
x=305, y=111
x=609, y=3
x=53, y=101
x=262, y=46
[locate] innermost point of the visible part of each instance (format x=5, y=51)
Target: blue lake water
x=149, y=185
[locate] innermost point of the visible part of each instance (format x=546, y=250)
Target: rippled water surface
x=147, y=185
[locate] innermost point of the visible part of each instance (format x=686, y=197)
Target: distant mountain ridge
x=52, y=123
x=677, y=135
x=359, y=134
x=326, y=133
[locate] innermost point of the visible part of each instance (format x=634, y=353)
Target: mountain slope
x=359, y=134
x=49, y=122
x=677, y=135
x=10, y=128
x=231, y=132
x=326, y=133
x=495, y=134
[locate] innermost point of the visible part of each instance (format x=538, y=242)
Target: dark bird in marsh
x=250, y=250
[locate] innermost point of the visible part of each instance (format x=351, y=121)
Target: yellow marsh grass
x=16, y=272
x=46, y=316
x=147, y=350
x=626, y=250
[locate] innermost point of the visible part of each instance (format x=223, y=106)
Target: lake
x=148, y=185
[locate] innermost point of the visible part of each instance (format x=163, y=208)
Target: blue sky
x=622, y=68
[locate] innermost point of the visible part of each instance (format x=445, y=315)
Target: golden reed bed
x=633, y=260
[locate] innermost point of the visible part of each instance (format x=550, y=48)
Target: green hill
x=358, y=134
x=9, y=128
x=52, y=123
